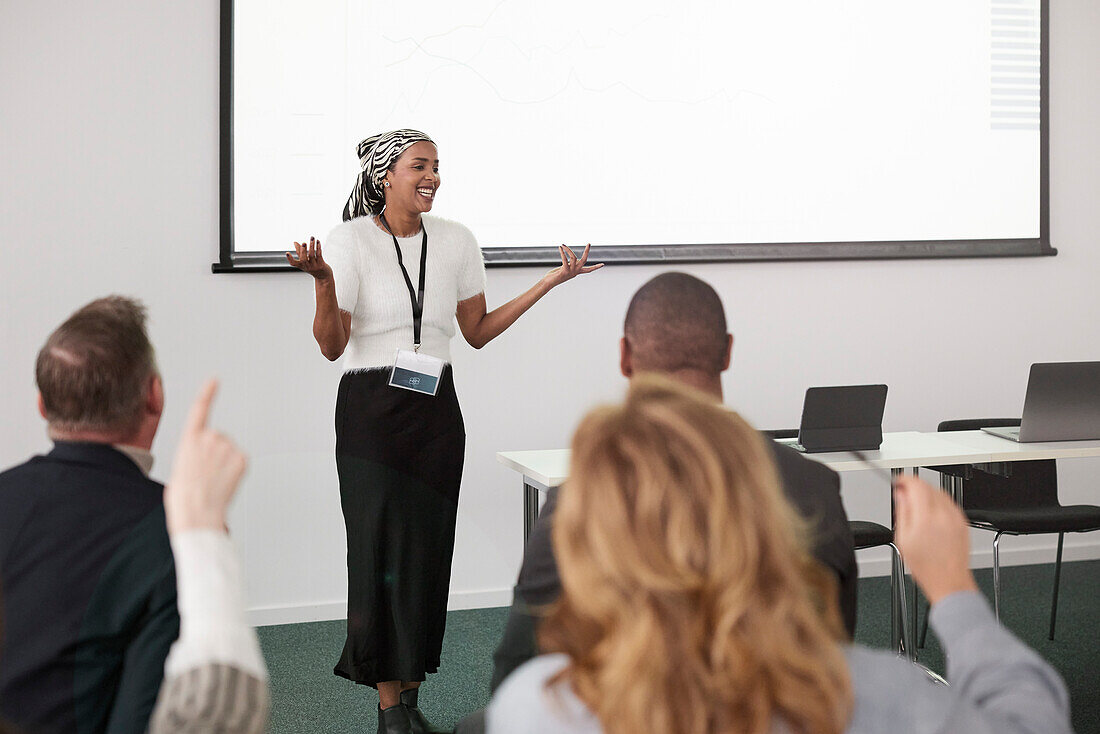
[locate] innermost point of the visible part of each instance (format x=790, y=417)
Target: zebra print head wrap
x=376, y=155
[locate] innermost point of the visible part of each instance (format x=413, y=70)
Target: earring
x=386, y=184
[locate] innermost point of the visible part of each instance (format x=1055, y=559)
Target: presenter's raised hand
x=571, y=266
x=308, y=259
x=205, y=474
x=933, y=537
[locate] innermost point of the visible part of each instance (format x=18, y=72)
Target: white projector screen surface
x=648, y=123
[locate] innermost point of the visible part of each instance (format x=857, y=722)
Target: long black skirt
x=399, y=457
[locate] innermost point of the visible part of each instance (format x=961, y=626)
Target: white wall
x=109, y=113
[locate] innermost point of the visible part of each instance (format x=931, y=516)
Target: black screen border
x=231, y=261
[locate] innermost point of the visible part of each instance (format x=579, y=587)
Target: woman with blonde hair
x=690, y=604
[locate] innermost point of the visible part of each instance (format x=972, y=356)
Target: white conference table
x=904, y=450
x=546, y=468
x=900, y=451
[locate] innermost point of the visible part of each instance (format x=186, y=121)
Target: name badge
x=416, y=372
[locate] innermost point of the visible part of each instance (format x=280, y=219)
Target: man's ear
x=42, y=406
x=729, y=352
x=154, y=397
x=626, y=359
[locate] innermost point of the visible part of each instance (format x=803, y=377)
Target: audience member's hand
x=308, y=259
x=207, y=469
x=932, y=534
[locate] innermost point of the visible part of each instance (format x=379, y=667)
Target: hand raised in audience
x=205, y=474
x=932, y=534
x=308, y=259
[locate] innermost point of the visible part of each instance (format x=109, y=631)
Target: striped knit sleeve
x=212, y=698
x=215, y=679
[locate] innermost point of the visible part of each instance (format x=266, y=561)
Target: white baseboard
x=871, y=563
x=480, y=599
x=266, y=616
x=877, y=562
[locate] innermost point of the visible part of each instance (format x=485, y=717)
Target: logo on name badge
x=414, y=380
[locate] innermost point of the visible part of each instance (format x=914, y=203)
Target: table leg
x=896, y=642
x=530, y=509
x=912, y=642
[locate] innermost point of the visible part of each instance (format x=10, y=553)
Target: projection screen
x=657, y=131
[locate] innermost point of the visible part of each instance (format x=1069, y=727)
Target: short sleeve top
x=371, y=287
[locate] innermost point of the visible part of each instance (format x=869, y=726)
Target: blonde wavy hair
x=689, y=604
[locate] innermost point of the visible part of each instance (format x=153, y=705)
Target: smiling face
x=413, y=180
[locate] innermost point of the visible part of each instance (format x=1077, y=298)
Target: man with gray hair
x=86, y=571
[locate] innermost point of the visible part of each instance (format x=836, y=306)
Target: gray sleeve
x=997, y=684
x=1008, y=687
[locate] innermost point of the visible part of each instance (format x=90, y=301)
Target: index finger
x=200, y=409
x=918, y=495
x=902, y=508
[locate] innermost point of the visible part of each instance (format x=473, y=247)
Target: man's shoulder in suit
x=814, y=490
x=86, y=567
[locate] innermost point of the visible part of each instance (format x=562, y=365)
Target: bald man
x=675, y=325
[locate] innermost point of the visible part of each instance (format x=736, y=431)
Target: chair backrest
x=1012, y=485
x=976, y=424
x=962, y=471
x=1024, y=485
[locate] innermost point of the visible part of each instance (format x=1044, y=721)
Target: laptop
x=1062, y=404
x=842, y=418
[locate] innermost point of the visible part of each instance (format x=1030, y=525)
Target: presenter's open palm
x=308, y=259
x=571, y=266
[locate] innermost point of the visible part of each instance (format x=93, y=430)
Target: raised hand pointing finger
x=205, y=474
x=199, y=413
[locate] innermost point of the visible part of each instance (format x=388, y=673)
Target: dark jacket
x=812, y=488
x=88, y=589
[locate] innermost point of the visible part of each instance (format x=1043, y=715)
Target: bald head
x=675, y=323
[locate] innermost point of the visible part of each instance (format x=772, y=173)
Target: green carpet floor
x=308, y=698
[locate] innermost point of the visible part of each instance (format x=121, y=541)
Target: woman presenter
x=389, y=287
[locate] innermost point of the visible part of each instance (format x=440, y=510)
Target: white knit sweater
x=370, y=287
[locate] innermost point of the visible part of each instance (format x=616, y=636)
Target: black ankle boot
x=394, y=720
x=419, y=724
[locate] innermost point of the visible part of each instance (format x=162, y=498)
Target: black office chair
x=1013, y=498
x=868, y=534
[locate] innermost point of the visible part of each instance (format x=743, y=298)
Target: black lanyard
x=417, y=297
